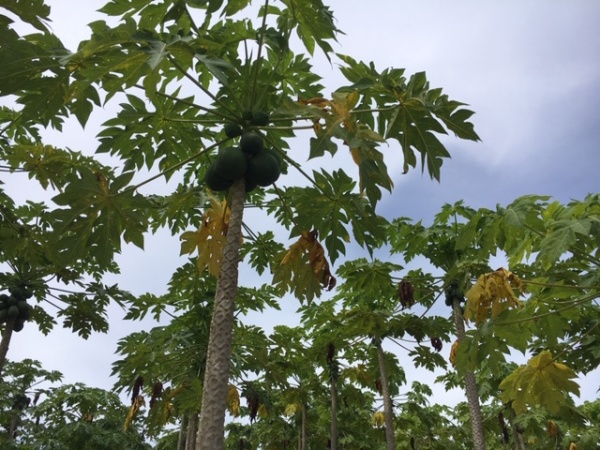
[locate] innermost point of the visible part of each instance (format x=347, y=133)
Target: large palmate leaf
x=100, y=212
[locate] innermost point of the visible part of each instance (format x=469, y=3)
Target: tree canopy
x=210, y=96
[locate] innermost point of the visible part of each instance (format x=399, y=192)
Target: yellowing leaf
x=233, y=400
x=210, y=238
x=292, y=408
x=492, y=294
x=453, y=352
x=540, y=382
x=263, y=412
x=304, y=267
x=378, y=419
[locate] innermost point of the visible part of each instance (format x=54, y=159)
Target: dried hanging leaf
x=492, y=293
x=210, y=238
x=233, y=400
x=157, y=391
x=138, y=403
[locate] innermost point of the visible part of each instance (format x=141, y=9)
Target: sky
x=530, y=71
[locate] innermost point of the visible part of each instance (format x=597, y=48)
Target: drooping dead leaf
x=209, y=239
x=233, y=400
x=138, y=403
x=493, y=293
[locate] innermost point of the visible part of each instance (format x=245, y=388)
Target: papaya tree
x=543, y=305
x=211, y=97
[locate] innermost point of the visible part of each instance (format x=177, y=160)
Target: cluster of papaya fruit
x=453, y=292
x=15, y=306
x=250, y=159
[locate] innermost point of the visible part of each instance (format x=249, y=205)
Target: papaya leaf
x=209, y=239
x=303, y=269
x=492, y=294
x=541, y=382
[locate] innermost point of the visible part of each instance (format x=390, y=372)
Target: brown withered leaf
x=304, y=269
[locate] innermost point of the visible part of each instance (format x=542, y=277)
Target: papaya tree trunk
x=388, y=407
x=303, y=429
x=182, y=433
x=216, y=376
x=519, y=439
x=5, y=342
x=471, y=388
x=334, y=413
x=191, y=432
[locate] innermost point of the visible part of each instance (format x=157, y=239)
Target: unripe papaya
x=263, y=169
x=260, y=118
x=13, y=311
x=215, y=181
x=231, y=163
x=3, y=315
x=232, y=130
x=251, y=143
x=19, y=325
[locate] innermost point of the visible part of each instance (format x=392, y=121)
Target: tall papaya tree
x=543, y=304
x=197, y=82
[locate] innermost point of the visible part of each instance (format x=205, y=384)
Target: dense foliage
x=211, y=100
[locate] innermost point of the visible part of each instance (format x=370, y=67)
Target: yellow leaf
x=233, y=400
x=492, y=294
x=540, y=382
x=453, y=352
x=209, y=239
x=291, y=409
x=378, y=419
x=263, y=412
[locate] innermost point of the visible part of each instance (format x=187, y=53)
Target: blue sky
x=530, y=71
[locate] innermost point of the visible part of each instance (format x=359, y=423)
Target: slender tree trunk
x=192, y=430
x=304, y=429
x=5, y=342
x=334, y=413
x=471, y=387
x=519, y=439
x=216, y=376
x=388, y=407
x=182, y=433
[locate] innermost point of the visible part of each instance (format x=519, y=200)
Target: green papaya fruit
x=19, y=325
x=231, y=163
x=215, y=181
x=232, y=130
x=13, y=311
x=251, y=143
x=260, y=118
x=263, y=169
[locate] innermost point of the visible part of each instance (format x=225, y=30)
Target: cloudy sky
x=530, y=71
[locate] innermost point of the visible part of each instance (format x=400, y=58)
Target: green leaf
x=34, y=12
